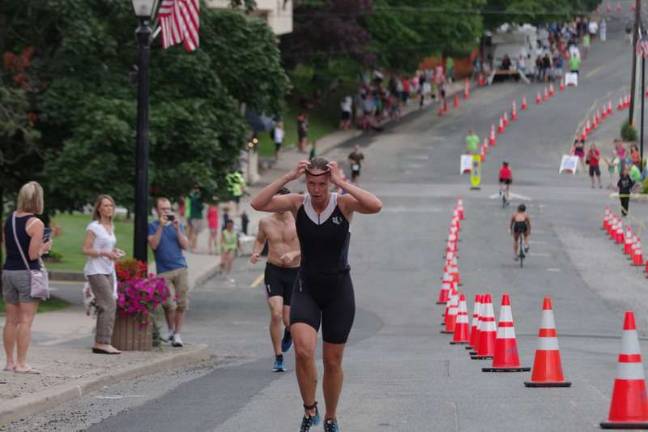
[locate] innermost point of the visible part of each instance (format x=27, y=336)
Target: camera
x=47, y=234
x=170, y=217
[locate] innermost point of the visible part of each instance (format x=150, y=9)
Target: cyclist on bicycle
x=505, y=180
x=520, y=225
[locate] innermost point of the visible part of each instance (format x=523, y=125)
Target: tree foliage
x=84, y=97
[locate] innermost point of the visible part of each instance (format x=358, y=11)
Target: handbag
x=38, y=279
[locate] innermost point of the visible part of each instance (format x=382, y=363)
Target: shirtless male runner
x=281, y=270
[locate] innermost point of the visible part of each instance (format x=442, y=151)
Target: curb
x=26, y=406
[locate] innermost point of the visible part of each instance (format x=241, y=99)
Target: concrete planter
x=130, y=335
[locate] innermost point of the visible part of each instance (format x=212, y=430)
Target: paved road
x=401, y=373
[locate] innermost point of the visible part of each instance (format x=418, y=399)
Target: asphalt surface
x=401, y=374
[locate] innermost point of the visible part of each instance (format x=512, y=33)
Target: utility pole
x=633, y=77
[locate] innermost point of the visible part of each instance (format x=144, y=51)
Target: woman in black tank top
x=324, y=291
x=16, y=286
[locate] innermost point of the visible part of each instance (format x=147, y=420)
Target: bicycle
x=521, y=253
x=504, y=194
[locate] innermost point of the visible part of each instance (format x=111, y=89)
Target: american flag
x=180, y=23
x=642, y=48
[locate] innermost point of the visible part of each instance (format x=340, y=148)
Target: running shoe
x=331, y=426
x=286, y=342
x=278, y=365
x=309, y=421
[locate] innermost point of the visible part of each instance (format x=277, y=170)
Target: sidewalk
x=61, y=352
x=61, y=340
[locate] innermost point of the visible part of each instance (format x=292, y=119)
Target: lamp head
x=143, y=8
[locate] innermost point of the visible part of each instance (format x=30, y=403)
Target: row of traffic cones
x=443, y=109
x=629, y=402
x=623, y=235
x=451, y=276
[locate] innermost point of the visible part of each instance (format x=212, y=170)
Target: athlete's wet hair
x=318, y=163
x=283, y=191
x=521, y=208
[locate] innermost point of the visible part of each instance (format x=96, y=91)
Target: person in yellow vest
x=236, y=187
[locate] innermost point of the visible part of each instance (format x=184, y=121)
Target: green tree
x=404, y=32
x=86, y=99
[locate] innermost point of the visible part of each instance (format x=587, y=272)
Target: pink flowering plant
x=138, y=294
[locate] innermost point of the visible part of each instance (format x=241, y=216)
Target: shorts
x=196, y=224
x=278, y=146
x=326, y=299
x=346, y=115
x=279, y=281
x=178, y=283
x=520, y=228
x=506, y=181
x=594, y=170
x=16, y=287
x=355, y=174
x=301, y=135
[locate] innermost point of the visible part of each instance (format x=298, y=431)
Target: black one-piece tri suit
x=324, y=291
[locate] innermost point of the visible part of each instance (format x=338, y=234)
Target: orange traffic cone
x=551, y=90
x=460, y=207
x=547, y=367
x=628, y=242
x=466, y=89
x=513, y=111
x=482, y=154
x=620, y=105
x=609, y=107
x=444, y=292
x=506, y=358
x=538, y=99
x=619, y=234
x=628, y=408
x=500, y=128
x=451, y=313
x=588, y=126
x=562, y=85
x=461, y=333
x=506, y=120
x=456, y=101
x=475, y=321
x=546, y=94
x=637, y=254
x=524, y=105
x=606, y=219
x=487, y=331
x=491, y=137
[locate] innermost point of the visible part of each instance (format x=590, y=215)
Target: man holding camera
x=168, y=240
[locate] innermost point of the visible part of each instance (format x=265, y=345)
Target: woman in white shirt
x=99, y=247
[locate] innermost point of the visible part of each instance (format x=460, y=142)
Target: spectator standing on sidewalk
x=593, y=160
x=99, y=248
x=236, y=187
x=278, y=138
x=346, y=106
x=20, y=306
x=195, y=217
x=302, y=132
x=212, y=224
x=625, y=185
x=167, y=239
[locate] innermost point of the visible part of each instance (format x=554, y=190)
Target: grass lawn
x=321, y=122
x=73, y=231
x=50, y=305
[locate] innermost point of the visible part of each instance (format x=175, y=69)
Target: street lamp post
x=143, y=11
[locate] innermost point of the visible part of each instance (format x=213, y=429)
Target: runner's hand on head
x=337, y=177
x=298, y=171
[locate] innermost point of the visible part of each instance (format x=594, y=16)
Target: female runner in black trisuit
x=324, y=292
